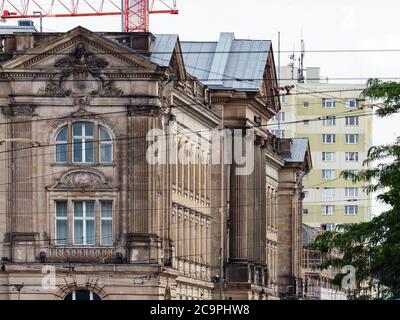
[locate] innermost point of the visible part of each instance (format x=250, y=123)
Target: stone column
x=149, y=192
x=21, y=216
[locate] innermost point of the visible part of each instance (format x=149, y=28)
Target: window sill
x=83, y=165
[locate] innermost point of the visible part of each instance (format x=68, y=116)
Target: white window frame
x=325, y=175
x=57, y=218
x=83, y=138
x=106, y=219
x=352, y=121
x=355, y=172
x=325, y=192
x=349, y=102
x=84, y=218
x=328, y=210
x=328, y=103
x=278, y=133
x=325, y=136
x=61, y=142
x=106, y=142
x=350, y=137
x=354, y=194
x=355, y=156
x=324, y=156
x=349, y=212
x=329, y=121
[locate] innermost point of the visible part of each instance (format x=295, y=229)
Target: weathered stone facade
x=79, y=194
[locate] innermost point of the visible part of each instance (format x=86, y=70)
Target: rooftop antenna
x=301, y=77
x=292, y=58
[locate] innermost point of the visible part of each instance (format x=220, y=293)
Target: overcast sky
x=324, y=25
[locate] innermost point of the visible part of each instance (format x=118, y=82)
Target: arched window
x=62, y=145
x=82, y=295
x=105, y=146
x=79, y=148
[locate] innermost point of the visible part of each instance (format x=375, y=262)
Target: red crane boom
x=135, y=12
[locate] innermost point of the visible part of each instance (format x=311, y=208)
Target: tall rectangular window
x=352, y=121
x=328, y=103
x=328, y=156
x=83, y=145
x=306, y=104
x=106, y=223
x=84, y=223
x=61, y=223
x=328, y=138
x=351, y=138
x=278, y=133
x=328, y=210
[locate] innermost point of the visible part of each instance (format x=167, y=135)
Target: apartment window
x=82, y=144
x=282, y=98
x=353, y=173
x=306, y=104
x=328, y=226
x=305, y=211
x=306, y=177
x=306, y=122
x=351, y=210
x=328, y=138
x=351, y=103
x=328, y=156
x=278, y=133
x=328, y=210
x=306, y=194
x=61, y=223
x=351, y=138
x=328, y=174
x=328, y=192
x=280, y=116
x=352, y=121
x=329, y=121
x=351, y=156
x=106, y=223
x=84, y=223
x=351, y=192
x=328, y=103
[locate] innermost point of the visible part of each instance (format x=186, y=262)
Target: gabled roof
x=228, y=64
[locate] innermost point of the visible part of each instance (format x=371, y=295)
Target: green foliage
x=372, y=248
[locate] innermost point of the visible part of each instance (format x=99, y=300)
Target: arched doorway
x=82, y=295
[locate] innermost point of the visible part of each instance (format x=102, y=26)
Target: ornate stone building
x=81, y=115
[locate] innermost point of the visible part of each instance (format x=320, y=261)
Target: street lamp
x=41, y=19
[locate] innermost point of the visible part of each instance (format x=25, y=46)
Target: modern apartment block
x=337, y=121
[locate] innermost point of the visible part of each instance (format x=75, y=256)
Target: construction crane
x=135, y=13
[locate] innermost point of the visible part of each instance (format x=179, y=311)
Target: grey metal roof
x=215, y=63
x=13, y=29
x=299, y=149
x=165, y=45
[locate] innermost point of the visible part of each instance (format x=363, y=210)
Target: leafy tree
x=372, y=248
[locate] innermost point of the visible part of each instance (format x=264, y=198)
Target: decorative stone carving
x=18, y=110
x=82, y=180
x=80, y=65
